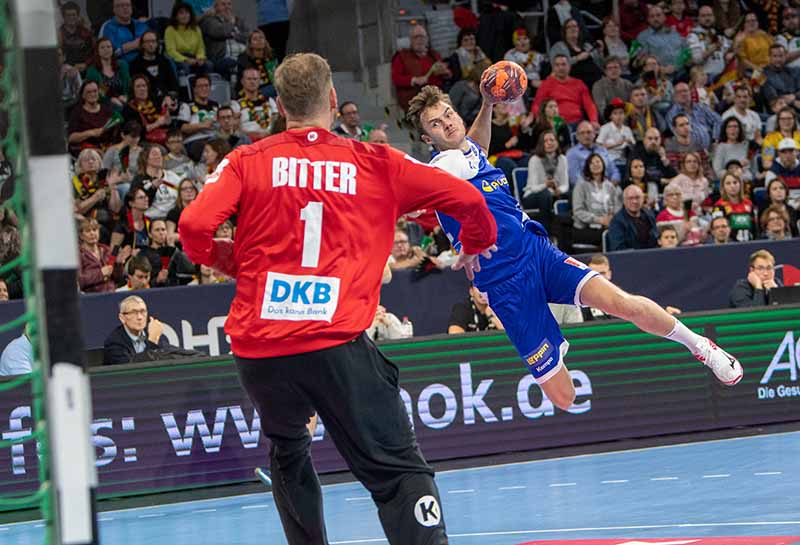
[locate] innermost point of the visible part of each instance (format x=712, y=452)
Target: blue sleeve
x=611, y=167
x=451, y=228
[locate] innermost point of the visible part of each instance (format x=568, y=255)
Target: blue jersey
x=514, y=227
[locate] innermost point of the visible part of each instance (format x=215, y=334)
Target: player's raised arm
x=216, y=203
x=417, y=186
x=481, y=130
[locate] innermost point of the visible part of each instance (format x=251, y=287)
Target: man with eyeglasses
x=135, y=335
x=124, y=31
x=350, y=123
x=753, y=291
x=720, y=231
x=782, y=80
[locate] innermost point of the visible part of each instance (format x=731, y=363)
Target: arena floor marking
x=612, y=498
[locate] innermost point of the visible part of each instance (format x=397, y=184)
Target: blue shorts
x=548, y=276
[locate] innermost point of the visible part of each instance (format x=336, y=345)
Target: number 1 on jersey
x=312, y=234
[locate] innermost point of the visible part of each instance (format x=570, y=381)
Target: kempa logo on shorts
x=427, y=511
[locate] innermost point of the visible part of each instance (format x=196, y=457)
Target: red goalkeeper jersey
x=316, y=216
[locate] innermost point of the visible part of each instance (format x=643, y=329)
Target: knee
x=563, y=398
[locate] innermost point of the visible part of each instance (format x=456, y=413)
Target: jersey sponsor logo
x=575, y=263
x=214, y=177
x=300, y=297
x=427, y=511
x=493, y=185
x=540, y=358
x=332, y=176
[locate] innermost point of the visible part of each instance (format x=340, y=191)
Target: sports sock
x=682, y=334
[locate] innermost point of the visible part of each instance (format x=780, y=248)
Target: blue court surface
x=688, y=493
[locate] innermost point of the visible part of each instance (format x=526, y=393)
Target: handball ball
x=504, y=81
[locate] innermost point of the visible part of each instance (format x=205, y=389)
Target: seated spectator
x=678, y=18
x=584, y=59
x=573, y=97
x=658, y=168
x=385, y=326
x=704, y=122
x=123, y=31
x=350, y=122
x=507, y=144
x=548, y=178
x=641, y=116
x=10, y=249
x=176, y=160
x=781, y=79
x=667, y=236
x=130, y=341
x=159, y=253
x=416, y=67
x=378, y=136
x=548, y=119
x=159, y=184
x=616, y=48
x=214, y=152
x=557, y=16
x=74, y=37
x=731, y=147
x=466, y=96
x=133, y=227
x=615, y=136
x=710, y=48
x=787, y=129
x=699, y=89
x=580, y=152
x=595, y=200
x=683, y=142
x=154, y=117
x=637, y=175
x=158, y=68
x=101, y=269
x=3, y=290
x=678, y=213
x=404, y=255
x=775, y=223
x=228, y=129
x=95, y=191
x=17, y=356
x=187, y=192
x=71, y=82
x=259, y=55
x=198, y=117
x=661, y=41
x=110, y=74
x=752, y=46
x=124, y=155
x=89, y=121
x=787, y=167
x=183, y=41
x=473, y=314
x=225, y=36
x=139, y=272
x=719, y=230
x=255, y=111
x=466, y=55
x=750, y=120
x=777, y=194
x=611, y=86
x=788, y=38
x=753, y=291
x=633, y=227
x=225, y=230
x=691, y=182
x=737, y=208
x=207, y=275
x=657, y=83
x=529, y=59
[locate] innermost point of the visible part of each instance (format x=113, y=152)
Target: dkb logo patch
x=427, y=511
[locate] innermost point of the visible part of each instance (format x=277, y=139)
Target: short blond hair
x=303, y=81
x=598, y=259
x=761, y=254
x=429, y=96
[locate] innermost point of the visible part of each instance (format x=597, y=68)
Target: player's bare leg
x=651, y=318
x=560, y=389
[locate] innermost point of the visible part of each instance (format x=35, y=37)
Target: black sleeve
x=460, y=315
x=115, y=351
x=174, y=215
x=743, y=295
x=168, y=76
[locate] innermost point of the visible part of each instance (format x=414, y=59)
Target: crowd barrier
x=167, y=426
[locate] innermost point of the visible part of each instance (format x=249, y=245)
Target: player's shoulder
x=463, y=164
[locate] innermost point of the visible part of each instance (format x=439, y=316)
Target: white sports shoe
x=726, y=368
